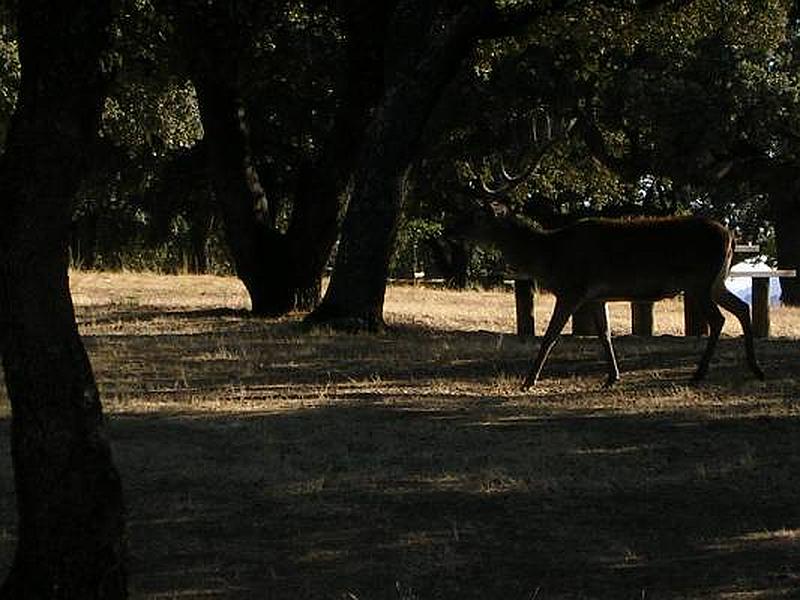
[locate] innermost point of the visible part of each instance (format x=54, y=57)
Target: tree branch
x=499, y=23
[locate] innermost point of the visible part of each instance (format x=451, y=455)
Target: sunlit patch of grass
x=777, y=536
x=220, y=353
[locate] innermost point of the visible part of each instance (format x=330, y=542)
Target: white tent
x=743, y=287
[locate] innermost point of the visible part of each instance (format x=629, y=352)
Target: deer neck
x=526, y=248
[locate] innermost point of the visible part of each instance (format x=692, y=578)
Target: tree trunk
x=354, y=298
x=320, y=191
x=786, y=217
x=201, y=226
x=281, y=271
x=459, y=277
x=71, y=525
x=238, y=191
x=451, y=260
x=422, y=55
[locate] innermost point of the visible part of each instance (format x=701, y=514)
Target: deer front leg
x=561, y=314
x=604, y=335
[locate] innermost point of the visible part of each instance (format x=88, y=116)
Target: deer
x=597, y=260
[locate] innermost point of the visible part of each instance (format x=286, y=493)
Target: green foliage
x=687, y=106
x=9, y=71
x=118, y=238
x=147, y=120
x=677, y=96
x=291, y=82
x=410, y=253
x=152, y=108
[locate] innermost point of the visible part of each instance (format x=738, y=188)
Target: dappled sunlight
x=779, y=537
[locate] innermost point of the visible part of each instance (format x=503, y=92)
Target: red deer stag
x=598, y=260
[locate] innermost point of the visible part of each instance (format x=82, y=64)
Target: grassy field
x=263, y=461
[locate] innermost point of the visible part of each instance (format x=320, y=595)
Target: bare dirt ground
x=261, y=460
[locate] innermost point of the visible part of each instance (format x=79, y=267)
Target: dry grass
x=264, y=461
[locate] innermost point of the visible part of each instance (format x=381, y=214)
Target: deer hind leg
x=739, y=308
x=561, y=314
x=604, y=335
x=715, y=321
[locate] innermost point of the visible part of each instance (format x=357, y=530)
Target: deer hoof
x=612, y=379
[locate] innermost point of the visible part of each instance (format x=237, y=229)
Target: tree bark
x=69, y=500
x=320, y=192
x=423, y=52
x=200, y=228
x=786, y=217
x=237, y=189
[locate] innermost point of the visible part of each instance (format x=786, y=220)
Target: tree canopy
x=680, y=106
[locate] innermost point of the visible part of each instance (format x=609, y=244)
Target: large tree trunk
x=314, y=225
x=423, y=53
x=250, y=238
x=354, y=298
x=282, y=271
x=786, y=217
x=71, y=525
x=319, y=196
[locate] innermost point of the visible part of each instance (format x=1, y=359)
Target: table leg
x=642, y=318
x=760, y=307
x=523, y=298
x=695, y=323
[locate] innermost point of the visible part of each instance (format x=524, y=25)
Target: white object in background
x=743, y=287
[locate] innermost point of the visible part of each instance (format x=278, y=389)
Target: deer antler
x=543, y=133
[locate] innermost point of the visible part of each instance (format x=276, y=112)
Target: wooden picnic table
x=642, y=312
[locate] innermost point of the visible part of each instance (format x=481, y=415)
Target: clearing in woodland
x=261, y=460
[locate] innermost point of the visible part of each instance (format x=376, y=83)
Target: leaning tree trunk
x=356, y=292
x=71, y=526
x=238, y=190
x=786, y=217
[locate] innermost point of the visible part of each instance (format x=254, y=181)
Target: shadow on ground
x=406, y=466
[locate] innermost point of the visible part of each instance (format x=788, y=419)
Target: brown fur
x=598, y=260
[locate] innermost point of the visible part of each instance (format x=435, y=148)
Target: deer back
x=641, y=258
x=619, y=259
